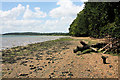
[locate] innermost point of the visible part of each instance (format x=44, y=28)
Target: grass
x=87, y=50
x=90, y=42
x=63, y=39
x=113, y=54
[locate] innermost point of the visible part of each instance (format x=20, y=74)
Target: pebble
x=30, y=72
x=110, y=74
x=70, y=74
x=23, y=74
x=110, y=66
x=32, y=68
x=23, y=62
x=64, y=72
x=52, y=73
x=48, y=62
x=31, y=65
x=39, y=68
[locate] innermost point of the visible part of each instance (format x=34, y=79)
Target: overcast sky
x=38, y=16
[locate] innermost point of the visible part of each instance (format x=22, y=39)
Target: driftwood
x=113, y=45
x=108, y=46
x=85, y=47
x=88, y=46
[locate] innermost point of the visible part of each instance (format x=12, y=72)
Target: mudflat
x=55, y=59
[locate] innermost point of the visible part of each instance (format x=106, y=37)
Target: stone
x=70, y=74
x=52, y=73
x=31, y=65
x=23, y=74
x=30, y=72
x=39, y=68
x=64, y=72
x=48, y=62
x=49, y=59
x=110, y=66
x=23, y=62
x=32, y=68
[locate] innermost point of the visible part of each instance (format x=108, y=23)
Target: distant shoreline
x=32, y=33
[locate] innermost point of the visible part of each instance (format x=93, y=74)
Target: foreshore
x=55, y=59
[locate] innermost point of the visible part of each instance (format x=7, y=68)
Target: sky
x=42, y=17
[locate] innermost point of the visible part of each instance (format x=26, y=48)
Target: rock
x=49, y=59
x=104, y=59
x=64, y=72
x=50, y=76
x=39, y=68
x=110, y=66
x=30, y=58
x=35, y=71
x=70, y=74
x=52, y=73
x=30, y=72
x=38, y=56
x=31, y=65
x=88, y=70
x=48, y=62
x=62, y=75
x=115, y=60
x=23, y=74
x=39, y=59
x=110, y=74
x=72, y=61
x=42, y=66
x=33, y=68
x=40, y=53
x=23, y=62
x=18, y=58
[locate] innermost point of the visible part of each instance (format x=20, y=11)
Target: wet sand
x=55, y=59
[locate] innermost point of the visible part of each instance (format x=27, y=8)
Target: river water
x=9, y=41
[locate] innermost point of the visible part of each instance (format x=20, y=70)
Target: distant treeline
x=97, y=19
x=32, y=33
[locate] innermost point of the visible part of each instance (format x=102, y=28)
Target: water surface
x=9, y=41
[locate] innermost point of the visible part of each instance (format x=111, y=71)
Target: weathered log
x=104, y=47
x=105, y=51
x=83, y=43
x=108, y=46
x=86, y=46
x=94, y=49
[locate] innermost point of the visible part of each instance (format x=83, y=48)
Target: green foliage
x=97, y=19
x=33, y=33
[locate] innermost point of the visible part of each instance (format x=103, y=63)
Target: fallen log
x=104, y=47
x=109, y=46
x=87, y=46
x=84, y=48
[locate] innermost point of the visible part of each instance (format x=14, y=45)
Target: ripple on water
x=13, y=41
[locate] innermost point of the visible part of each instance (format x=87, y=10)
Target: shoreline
x=56, y=59
x=27, y=42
